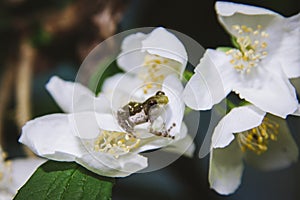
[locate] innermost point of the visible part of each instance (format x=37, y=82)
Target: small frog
x=135, y=113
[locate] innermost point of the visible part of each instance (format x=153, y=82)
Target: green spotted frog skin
x=135, y=113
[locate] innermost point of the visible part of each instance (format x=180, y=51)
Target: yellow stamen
x=257, y=139
x=157, y=68
x=116, y=143
x=251, y=49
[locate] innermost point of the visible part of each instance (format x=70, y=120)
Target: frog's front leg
x=123, y=116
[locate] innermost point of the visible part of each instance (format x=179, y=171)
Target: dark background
x=60, y=51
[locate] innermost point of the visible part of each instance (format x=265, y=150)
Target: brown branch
x=23, y=85
x=5, y=95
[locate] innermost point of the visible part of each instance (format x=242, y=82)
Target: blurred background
x=44, y=38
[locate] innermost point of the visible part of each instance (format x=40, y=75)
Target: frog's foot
x=164, y=132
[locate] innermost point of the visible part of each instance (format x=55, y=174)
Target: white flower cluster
x=143, y=108
x=258, y=69
x=136, y=111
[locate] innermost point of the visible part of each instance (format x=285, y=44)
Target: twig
x=23, y=86
x=5, y=96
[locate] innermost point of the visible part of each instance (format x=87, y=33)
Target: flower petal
x=122, y=88
x=5, y=195
x=230, y=14
x=290, y=47
x=22, y=169
x=87, y=125
x=280, y=154
x=211, y=82
x=165, y=44
x=269, y=91
x=131, y=55
x=53, y=137
x=237, y=120
x=159, y=42
x=107, y=165
x=74, y=97
x=150, y=141
x=64, y=93
x=229, y=9
x=108, y=122
x=175, y=109
x=100, y=104
x=226, y=168
x=183, y=145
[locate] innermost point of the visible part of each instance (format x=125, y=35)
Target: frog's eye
x=159, y=93
x=152, y=102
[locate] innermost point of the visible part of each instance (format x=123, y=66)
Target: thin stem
x=5, y=95
x=23, y=86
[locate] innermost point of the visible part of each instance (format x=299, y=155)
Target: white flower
x=14, y=173
x=247, y=133
x=258, y=70
x=276, y=35
x=90, y=135
x=153, y=56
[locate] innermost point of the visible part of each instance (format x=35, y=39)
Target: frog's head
x=161, y=98
x=158, y=100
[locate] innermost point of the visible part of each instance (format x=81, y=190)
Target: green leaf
x=65, y=180
x=224, y=49
x=187, y=75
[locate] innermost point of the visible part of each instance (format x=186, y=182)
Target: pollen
x=156, y=68
x=257, y=139
x=116, y=143
x=251, y=48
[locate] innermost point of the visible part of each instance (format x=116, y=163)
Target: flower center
x=251, y=47
x=256, y=139
x=116, y=143
x=156, y=69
